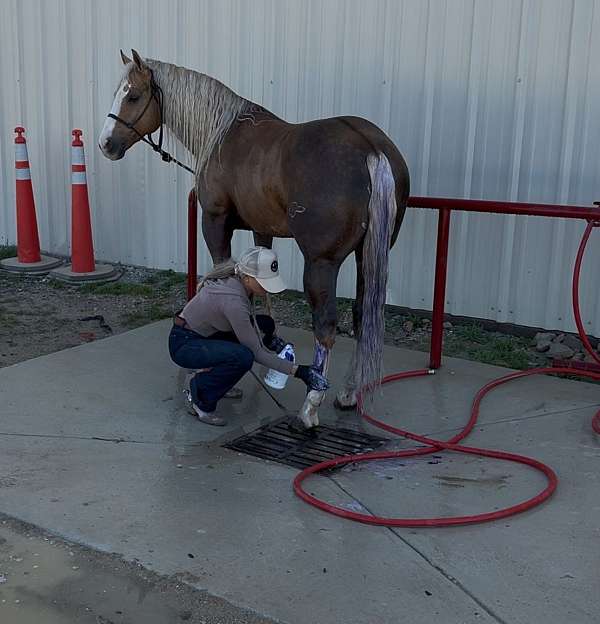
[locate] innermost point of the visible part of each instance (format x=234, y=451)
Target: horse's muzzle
x=112, y=151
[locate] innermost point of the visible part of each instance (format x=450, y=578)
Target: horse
x=337, y=186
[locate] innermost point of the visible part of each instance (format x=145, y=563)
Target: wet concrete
x=46, y=580
x=105, y=454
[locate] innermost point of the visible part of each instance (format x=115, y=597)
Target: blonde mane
x=198, y=109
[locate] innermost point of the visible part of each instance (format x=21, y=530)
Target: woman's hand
x=276, y=344
x=312, y=377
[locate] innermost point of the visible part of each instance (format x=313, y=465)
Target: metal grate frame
x=277, y=442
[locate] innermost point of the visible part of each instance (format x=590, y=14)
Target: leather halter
x=156, y=93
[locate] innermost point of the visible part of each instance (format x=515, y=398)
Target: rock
x=560, y=351
x=588, y=359
x=426, y=323
x=573, y=342
x=543, y=340
x=408, y=326
x=560, y=338
x=448, y=325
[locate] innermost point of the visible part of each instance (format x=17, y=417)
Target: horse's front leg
x=320, y=279
x=217, y=231
x=309, y=412
x=265, y=240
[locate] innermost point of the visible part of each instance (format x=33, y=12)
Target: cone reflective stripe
x=28, y=242
x=82, y=246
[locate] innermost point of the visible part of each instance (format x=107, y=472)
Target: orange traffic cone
x=28, y=259
x=83, y=267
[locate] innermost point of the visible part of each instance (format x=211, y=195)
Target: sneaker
x=210, y=418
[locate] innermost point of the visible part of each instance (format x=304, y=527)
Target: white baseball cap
x=262, y=264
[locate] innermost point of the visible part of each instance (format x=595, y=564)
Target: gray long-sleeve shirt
x=224, y=305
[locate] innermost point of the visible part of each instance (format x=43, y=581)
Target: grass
x=416, y=320
x=7, y=251
x=154, y=312
x=118, y=288
x=166, y=279
x=472, y=333
x=158, y=284
x=472, y=342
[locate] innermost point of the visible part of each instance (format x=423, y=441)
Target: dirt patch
x=41, y=315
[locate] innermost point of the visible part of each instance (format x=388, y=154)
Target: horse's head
x=135, y=111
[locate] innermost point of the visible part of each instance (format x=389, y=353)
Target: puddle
x=43, y=580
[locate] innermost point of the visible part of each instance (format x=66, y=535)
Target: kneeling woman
x=218, y=333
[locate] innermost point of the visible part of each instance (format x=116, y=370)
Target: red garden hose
x=435, y=446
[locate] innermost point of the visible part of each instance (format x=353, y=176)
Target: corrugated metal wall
x=493, y=99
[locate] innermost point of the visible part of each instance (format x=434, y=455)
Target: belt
x=180, y=322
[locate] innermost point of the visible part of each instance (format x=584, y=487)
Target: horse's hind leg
x=320, y=279
x=346, y=398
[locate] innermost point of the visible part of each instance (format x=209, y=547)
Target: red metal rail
x=445, y=205
x=498, y=207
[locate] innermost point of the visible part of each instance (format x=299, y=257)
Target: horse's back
x=348, y=138
x=335, y=149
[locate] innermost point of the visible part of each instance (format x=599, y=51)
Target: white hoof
x=309, y=413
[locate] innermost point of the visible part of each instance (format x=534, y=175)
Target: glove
x=313, y=379
x=275, y=344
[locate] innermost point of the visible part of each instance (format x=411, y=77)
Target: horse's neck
x=198, y=109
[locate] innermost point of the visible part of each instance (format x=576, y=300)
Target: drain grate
x=277, y=442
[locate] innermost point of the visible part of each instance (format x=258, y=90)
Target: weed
x=154, y=312
x=118, y=288
x=7, y=251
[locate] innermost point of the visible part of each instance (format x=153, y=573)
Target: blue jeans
x=228, y=361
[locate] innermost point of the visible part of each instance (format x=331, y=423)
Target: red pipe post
x=439, y=289
x=192, y=244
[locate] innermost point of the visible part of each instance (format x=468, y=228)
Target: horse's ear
x=125, y=58
x=137, y=59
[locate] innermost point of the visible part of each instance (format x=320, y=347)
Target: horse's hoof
x=344, y=407
x=298, y=426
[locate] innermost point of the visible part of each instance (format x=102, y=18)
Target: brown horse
x=336, y=186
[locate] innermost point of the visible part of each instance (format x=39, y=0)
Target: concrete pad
x=102, y=273
x=121, y=388
x=168, y=490
x=45, y=264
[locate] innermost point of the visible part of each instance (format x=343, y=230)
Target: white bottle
x=274, y=378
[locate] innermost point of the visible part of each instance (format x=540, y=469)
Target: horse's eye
x=133, y=98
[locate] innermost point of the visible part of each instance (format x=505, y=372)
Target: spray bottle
x=274, y=378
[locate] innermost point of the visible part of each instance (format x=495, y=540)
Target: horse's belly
x=266, y=219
